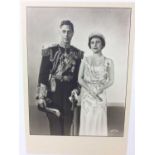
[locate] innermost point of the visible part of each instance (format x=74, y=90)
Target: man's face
x=66, y=33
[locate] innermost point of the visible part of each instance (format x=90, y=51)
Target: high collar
x=63, y=45
x=65, y=50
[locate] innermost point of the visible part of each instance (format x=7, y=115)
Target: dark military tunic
x=59, y=73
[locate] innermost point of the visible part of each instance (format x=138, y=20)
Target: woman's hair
x=96, y=35
x=67, y=22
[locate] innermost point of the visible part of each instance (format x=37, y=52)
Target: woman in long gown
x=95, y=75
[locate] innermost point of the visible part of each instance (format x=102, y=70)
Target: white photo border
x=71, y=144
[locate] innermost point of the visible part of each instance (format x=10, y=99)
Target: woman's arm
x=84, y=84
x=81, y=80
x=110, y=72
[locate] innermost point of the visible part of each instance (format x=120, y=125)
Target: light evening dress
x=93, y=116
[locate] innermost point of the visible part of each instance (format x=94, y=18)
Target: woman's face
x=96, y=45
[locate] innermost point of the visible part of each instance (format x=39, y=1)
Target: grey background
x=113, y=23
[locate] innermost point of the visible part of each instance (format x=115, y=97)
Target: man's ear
x=72, y=34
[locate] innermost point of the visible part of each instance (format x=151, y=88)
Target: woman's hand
x=100, y=90
x=95, y=94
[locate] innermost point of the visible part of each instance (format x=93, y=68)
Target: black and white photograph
x=77, y=69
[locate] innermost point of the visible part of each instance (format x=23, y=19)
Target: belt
x=66, y=78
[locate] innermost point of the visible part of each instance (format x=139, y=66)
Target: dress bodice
x=95, y=74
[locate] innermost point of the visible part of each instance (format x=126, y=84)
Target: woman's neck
x=97, y=55
x=97, y=59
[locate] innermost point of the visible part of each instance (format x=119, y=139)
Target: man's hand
x=41, y=102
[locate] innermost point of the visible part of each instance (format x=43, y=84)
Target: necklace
x=93, y=70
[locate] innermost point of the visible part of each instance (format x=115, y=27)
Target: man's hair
x=67, y=22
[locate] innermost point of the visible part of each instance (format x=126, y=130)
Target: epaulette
x=48, y=49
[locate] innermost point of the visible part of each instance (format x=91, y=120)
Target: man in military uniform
x=57, y=78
